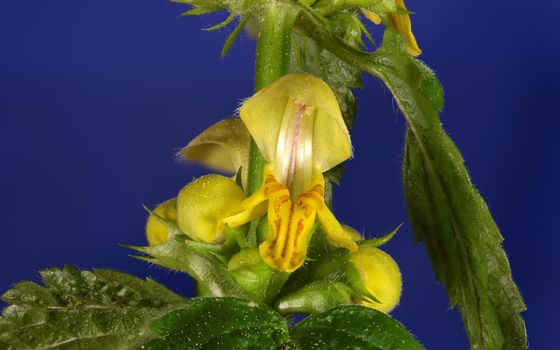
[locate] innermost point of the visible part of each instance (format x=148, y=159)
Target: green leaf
x=447, y=211
x=222, y=24
x=201, y=7
x=233, y=36
x=219, y=323
x=197, y=11
x=353, y=327
x=229, y=323
x=289, y=346
x=98, y=309
x=451, y=217
x=464, y=243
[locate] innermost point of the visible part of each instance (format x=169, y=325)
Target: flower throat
x=293, y=163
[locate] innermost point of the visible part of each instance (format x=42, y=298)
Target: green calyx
x=259, y=281
x=314, y=298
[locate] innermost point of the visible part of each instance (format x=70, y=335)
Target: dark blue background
x=96, y=96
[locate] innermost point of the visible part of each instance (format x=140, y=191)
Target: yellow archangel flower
x=379, y=275
x=401, y=23
x=297, y=124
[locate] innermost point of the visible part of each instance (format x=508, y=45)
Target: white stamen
x=293, y=163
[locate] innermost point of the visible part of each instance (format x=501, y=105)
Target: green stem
x=256, y=167
x=272, y=62
x=273, y=44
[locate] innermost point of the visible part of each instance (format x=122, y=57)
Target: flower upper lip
x=297, y=124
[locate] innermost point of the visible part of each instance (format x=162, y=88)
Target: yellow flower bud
x=203, y=203
x=156, y=231
x=380, y=276
x=353, y=233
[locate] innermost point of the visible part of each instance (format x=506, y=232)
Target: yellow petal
x=380, y=275
x=372, y=16
x=156, y=231
x=289, y=228
x=400, y=23
x=290, y=223
x=403, y=25
x=224, y=146
x=296, y=123
x=250, y=209
x=203, y=203
x=353, y=233
x=334, y=230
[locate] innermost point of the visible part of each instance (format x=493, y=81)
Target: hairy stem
x=272, y=62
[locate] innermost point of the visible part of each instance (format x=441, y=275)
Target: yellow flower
x=297, y=124
x=380, y=276
x=157, y=231
x=203, y=202
x=224, y=146
x=400, y=22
